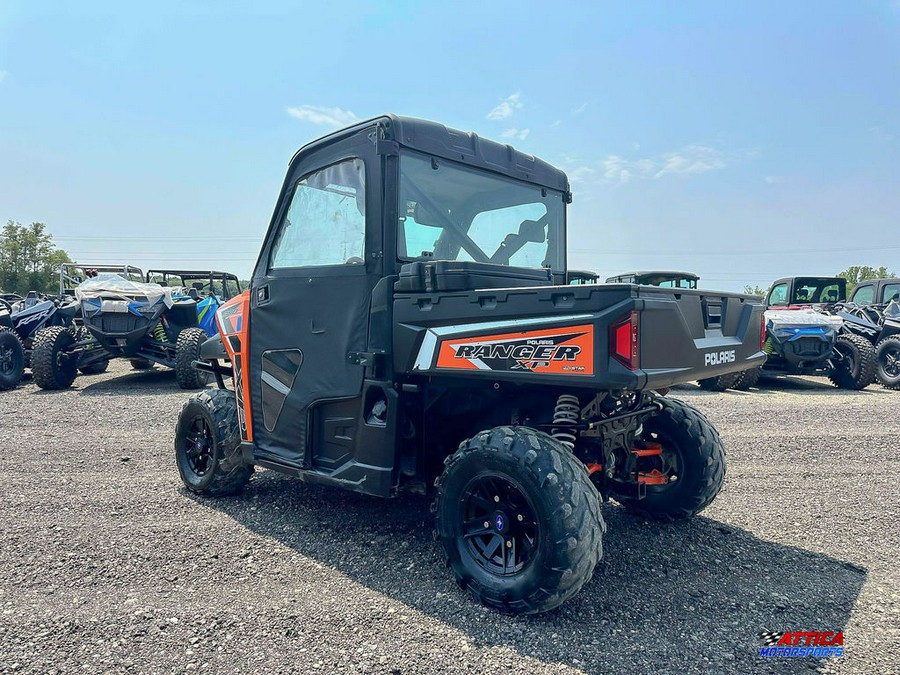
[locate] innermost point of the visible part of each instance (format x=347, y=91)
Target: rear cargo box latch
x=712, y=314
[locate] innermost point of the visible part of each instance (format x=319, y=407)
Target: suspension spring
x=159, y=333
x=566, y=415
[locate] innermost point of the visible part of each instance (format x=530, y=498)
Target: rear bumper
x=557, y=336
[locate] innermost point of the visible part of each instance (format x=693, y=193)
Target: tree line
x=29, y=260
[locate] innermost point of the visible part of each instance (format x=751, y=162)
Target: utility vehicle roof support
x=72, y=274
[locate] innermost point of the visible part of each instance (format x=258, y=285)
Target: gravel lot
x=108, y=565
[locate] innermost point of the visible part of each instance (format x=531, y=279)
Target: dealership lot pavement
x=107, y=565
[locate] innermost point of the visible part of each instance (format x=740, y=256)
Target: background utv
x=409, y=327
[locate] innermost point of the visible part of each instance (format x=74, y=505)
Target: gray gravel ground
x=107, y=565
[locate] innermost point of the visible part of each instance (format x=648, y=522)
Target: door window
x=778, y=296
x=890, y=292
x=864, y=295
x=326, y=222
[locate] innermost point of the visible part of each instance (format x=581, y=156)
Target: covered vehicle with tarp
x=146, y=323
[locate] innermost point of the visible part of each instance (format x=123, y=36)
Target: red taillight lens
x=624, y=342
x=762, y=334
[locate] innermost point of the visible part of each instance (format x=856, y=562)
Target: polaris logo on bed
x=718, y=358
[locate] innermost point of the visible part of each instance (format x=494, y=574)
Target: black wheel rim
x=500, y=530
x=845, y=358
x=891, y=364
x=199, y=447
x=665, y=465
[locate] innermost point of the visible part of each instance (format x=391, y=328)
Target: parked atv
x=144, y=322
x=409, y=327
x=12, y=351
x=887, y=349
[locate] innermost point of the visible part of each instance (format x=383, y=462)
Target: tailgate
x=688, y=335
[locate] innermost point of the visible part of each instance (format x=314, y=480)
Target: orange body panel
x=233, y=320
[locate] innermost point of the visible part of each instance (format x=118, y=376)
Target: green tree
x=29, y=260
x=754, y=290
x=854, y=275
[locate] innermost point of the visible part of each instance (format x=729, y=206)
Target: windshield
x=668, y=281
x=452, y=212
x=819, y=290
x=223, y=286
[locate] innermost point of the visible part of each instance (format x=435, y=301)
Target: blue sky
x=742, y=141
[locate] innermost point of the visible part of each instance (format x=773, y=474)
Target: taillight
x=762, y=334
x=624, y=342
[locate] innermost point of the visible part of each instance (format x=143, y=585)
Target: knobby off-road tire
x=719, y=382
x=748, y=378
x=138, y=363
x=860, y=367
x=208, y=445
x=529, y=490
x=97, y=367
x=50, y=364
x=692, y=452
x=187, y=350
x=887, y=355
x=12, y=359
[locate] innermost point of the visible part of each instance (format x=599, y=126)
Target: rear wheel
x=854, y=362
x=518, y=519
x=888, y=357
x=12, y=359
x=688, y=473
x=187, y=350
x=719, y=382
x=140, y=364
x=208, y=445
x=52, y=363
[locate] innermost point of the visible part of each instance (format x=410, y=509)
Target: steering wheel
x=355, y=260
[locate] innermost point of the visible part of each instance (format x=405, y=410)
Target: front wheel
x=12, y=359
x=52, y=363
x=82, y=334
x=138, y=363
x=687, y=473
x=187, y=350
x=208, y=445
x=518, y=519
x=888, y=357
x=854, y=363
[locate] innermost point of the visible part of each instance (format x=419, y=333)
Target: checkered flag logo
x=770, y=638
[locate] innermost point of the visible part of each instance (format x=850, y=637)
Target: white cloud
x=580, y=109
x=693, y=159
x=690, y=160
x=521, y=134
x=580, y=175
x=772, y=180
x=315, y=114
x=506, y=107
x=3, y=75
x=556, y=123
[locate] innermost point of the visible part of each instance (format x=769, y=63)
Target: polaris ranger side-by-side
x=806, y=336
x=409, y=327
